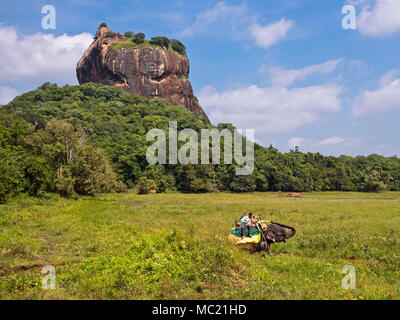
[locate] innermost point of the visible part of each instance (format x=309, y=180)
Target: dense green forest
x=92, y=138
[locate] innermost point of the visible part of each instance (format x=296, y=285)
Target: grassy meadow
x=174, y=246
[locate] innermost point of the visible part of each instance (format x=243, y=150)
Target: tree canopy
x=178, y=46
x=84, y=139
x=160, y=41
x=139, y=38
x=129, y=34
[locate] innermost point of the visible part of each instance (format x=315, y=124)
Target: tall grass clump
x=163, y=265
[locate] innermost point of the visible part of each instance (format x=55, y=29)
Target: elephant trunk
x=292, y=232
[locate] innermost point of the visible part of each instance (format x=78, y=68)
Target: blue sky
x=285, y=68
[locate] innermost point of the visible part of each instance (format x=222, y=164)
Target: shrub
x=139, y=38
x=243, y=184
x=9, y=180
x=20, y=169
x=160, y=41
x=374, y=182
x=129, y=34
x=197, y=179
x=37, y=175
x=201, y=185
x=178, y=46
x=65, y=182
x=145, y=185
x=92, y=171
x=102, y=25
x=157, y=174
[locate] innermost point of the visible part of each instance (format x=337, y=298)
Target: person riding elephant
x=246, y=222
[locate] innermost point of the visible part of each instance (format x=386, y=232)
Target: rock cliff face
x=147, y=71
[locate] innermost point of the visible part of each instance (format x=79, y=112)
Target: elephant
x=274, y=232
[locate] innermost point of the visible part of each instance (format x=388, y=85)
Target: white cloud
x=7, y=94
x=358, y=66
x=224, y=18
x=40, y=57
x=271, y=34
x=389, y=77
x=378, y=19
x=385, y=99
x=332, y=141
x=315, y=145
x=271, y=109
x=286, y=77
x=231, y=15
x=296, y=142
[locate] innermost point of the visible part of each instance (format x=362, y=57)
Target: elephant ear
x=271, y=236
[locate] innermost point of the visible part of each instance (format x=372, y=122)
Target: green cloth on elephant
x=238, y=232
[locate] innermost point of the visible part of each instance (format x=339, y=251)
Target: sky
x=286, y=68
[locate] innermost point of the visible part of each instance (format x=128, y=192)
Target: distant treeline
x=92, y=138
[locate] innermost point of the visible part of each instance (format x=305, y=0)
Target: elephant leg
x=268, y=248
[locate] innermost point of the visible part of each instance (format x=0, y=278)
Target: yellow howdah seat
x=247, y=242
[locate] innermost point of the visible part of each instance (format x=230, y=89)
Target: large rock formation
x=147, y=71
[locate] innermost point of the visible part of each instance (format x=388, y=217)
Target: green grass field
x=174, y=246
